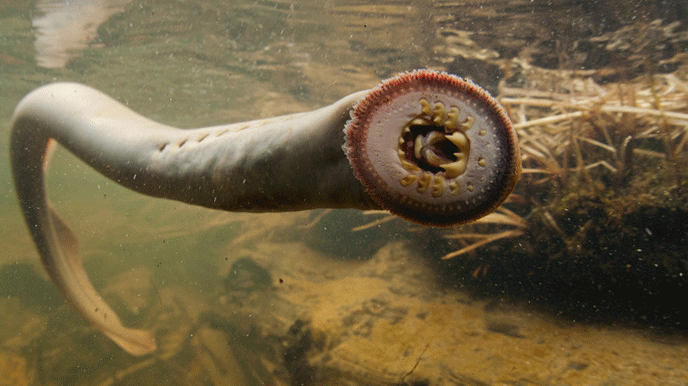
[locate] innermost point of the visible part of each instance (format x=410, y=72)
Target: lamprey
x=430, y=147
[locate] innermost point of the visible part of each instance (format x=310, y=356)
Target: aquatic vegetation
x=500, y=224
x=575, y=131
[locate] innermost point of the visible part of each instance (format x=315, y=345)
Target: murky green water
x=297, y=299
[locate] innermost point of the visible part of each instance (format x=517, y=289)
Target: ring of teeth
x=441, y=133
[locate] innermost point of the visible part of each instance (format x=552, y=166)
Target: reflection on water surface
x=63, y=28
x=579, y=280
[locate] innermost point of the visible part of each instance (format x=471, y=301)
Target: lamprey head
x=433, y=148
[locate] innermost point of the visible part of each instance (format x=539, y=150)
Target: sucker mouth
x=457, y=155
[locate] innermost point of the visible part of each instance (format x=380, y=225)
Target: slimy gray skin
x=295, y=162
x=256, y=166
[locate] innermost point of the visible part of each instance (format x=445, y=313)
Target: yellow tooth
x=408, y=180
x=439, y=113
x=460, y=140
x=418, y=122
x=406, y=130
x=482, y=162
x=482, y=132
x=469, y=186
x=468, y=124
x=453, y=121
x=425, y=107
x=418, y=147
x=454, y=188
x=409, y=167
x=437, y=186
x=424, y=182
x=454, y=169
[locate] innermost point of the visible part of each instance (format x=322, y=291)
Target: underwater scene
x=579, y=277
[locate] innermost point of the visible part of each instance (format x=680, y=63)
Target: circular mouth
x=433, y=148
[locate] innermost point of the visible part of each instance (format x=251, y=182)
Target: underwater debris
x=487, y=230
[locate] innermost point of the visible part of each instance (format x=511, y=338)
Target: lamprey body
x=447, y=155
